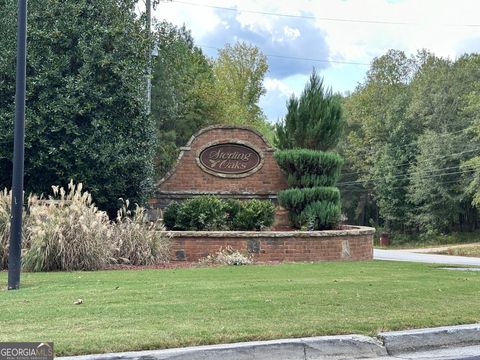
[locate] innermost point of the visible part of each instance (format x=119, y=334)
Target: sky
x=339, y=38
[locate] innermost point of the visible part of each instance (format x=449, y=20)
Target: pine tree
x=313, y=121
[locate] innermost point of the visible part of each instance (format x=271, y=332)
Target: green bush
x=309, y=168
x=212, y=213
x=87, y=116
x=202, y=213
x=233, y=207
x=254, y=215
x=296, y=199
x=320, y=215
x=170, y=215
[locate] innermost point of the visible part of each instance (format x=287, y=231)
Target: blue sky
x=337, y=37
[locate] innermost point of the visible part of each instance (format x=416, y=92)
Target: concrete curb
x=313, y=348
x=397, y=342
x=346, y=346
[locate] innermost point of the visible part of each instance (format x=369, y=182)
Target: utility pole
x=14, y=256
x=149, y=63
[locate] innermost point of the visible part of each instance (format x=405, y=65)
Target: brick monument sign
x=228, y=161
x=237, y=162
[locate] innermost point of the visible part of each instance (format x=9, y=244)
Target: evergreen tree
x=313, y=121
x=86, y=111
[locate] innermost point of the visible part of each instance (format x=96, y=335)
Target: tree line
x=86, y=108
x=409, y=133
x=412, y=144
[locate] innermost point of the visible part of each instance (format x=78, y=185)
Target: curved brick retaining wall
x=348, y=243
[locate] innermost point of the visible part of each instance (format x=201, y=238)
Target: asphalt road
x=402, y=255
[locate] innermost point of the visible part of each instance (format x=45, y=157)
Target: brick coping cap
x=349, y=231
x=227, y=127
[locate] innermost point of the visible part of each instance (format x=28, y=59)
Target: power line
x=392, y=188
x=300, y=58
x=428, y=160
x=413, y=143
x=409, y=176
x=311, y=17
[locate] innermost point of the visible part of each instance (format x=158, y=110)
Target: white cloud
x=279, y=86
x=431, y=24
x=200, y=20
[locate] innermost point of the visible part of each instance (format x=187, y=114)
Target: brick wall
x=188, y=179
x=349, y=243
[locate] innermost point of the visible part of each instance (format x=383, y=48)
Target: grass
x=473, y=250
x=152, y=309
x=404, y=241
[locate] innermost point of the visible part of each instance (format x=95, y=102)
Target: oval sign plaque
x=229, y=159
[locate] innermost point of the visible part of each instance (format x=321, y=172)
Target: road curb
x=397, y=342
x=313, y=348
x=345, y=346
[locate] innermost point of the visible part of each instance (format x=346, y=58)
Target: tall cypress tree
x=313, y=121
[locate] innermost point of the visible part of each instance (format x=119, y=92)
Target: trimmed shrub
x=296, y=199
x=137, y=241
x=212, y=213
x=254, y=215
x=233, y=207
x=320, y=215
x=309, y=168
x=170, y=215
x=202, y=213
x=313, y=202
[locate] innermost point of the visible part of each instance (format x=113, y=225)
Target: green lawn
x=151, y=309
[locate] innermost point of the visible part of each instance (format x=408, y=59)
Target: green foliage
x=252, y=303
x=253, y=215
x=183, y=93
x=212, y=213
x=233, y=207
x=297, y=199
x=410, y=138
x=313, y=121
x=309, y=168
x=239, y=71
x=86, y=110
x=202, y=213
x=313, y=202
x=305, y=207
x=320, y=215
x=170, y=215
